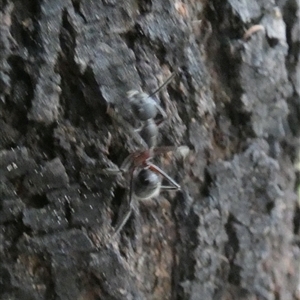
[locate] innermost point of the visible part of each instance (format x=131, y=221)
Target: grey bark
x=232, y=232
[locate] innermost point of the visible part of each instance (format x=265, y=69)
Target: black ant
x=145, y=177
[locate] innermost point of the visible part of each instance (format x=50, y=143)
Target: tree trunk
x=232, y=231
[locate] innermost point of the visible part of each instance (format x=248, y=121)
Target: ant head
x=146, y=184
x=143, y=106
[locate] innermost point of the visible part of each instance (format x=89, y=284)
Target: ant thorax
x=149, y=133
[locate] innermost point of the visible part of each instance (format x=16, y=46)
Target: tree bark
x=232, y=231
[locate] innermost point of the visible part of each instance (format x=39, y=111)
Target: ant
x=145, y=177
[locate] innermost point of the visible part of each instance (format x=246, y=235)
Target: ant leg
x=125, y=167
x=164, y=149
x=123, y=220
x=131, y=161
x=114, y=171
x=156, y=169
x=127, y=163
x=168, y=188
x=111, y=171
x=182, y=150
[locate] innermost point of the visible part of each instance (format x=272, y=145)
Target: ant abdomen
x=146, y=184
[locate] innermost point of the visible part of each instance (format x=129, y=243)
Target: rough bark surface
x=233, y=230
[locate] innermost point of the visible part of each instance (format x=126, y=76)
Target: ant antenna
x=163, y=85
